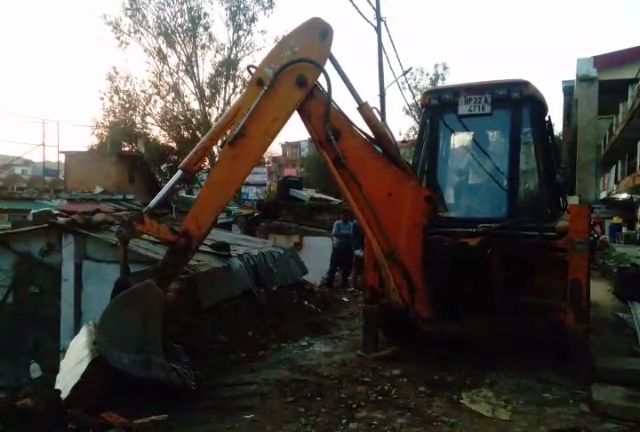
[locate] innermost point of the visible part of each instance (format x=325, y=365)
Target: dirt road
x=321, y=383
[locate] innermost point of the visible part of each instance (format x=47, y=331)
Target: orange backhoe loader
x=476, y=227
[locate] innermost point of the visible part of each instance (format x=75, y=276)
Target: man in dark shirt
x=342, y=253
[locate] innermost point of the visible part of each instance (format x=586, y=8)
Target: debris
x=571, y=429
x=115, y=420
x=485, y=402
x=617, y=402
x=35, y=371
x=151, y=419
x=313, y=195
x=76, y=360
x=626, y=318
x=635, y=313
x=380, y=355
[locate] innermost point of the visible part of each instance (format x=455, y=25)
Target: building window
x=611, y=93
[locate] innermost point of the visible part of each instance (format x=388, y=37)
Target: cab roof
x=510, y=86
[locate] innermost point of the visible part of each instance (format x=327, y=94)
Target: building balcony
x=623, y=133
x=620, y=146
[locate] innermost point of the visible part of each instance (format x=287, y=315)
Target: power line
x=7, y=164
x=355, y=6
x=30, y=117
x=395, y=50
x=386, y=55
x=21, y=142
x=397, y=81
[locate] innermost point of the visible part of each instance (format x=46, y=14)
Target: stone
x=617, y=402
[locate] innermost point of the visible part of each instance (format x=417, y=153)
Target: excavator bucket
x=129, y=336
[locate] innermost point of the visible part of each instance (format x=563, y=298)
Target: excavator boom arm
x=389, y=203
x=385, y=196
x=278, y=85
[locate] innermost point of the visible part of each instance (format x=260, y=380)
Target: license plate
x=474, y=105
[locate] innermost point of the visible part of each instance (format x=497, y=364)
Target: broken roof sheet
x=251, y=264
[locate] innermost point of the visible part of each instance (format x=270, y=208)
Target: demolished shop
x=58, y=276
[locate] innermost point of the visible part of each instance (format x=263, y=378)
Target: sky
x=55, y=54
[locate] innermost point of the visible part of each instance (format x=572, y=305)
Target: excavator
x=476, y=228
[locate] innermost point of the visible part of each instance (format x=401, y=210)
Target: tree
x=124, y=126
x=418, y=81
x=317, y=176
x=56, y=185
x=34, y=182
x=13, y=181
x=193, y=72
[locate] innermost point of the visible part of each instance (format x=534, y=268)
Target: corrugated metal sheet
x=86, y=207
x=25, y=205
x=7, y=233
x=253, y=264
x=635, y=313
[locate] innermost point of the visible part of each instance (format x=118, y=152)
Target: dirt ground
x=314, y=379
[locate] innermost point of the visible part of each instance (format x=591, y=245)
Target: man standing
x=342, y=253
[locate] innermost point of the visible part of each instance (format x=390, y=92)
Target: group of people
x=347, y=253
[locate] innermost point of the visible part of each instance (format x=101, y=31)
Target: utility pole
x=44, y=155
x=58, y=147
x=383, y=103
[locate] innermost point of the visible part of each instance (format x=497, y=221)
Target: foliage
x=194, y=51
x=418, y=81
x=316, y=175
x=34, y=182
x=13, y=181
x=56, y=185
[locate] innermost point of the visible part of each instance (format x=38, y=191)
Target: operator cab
x=487, y=150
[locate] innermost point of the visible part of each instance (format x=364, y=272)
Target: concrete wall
x=569, y=134
x=114, y=173
x=588, y=138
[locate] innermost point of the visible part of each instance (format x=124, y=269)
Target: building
x=293, y=153
x=601, y=125
x=254, y=187
x=126, y=173
x=16, y=165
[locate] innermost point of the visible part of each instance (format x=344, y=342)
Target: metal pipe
x=252, y=108
x=166, y=190
x=345, y=79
